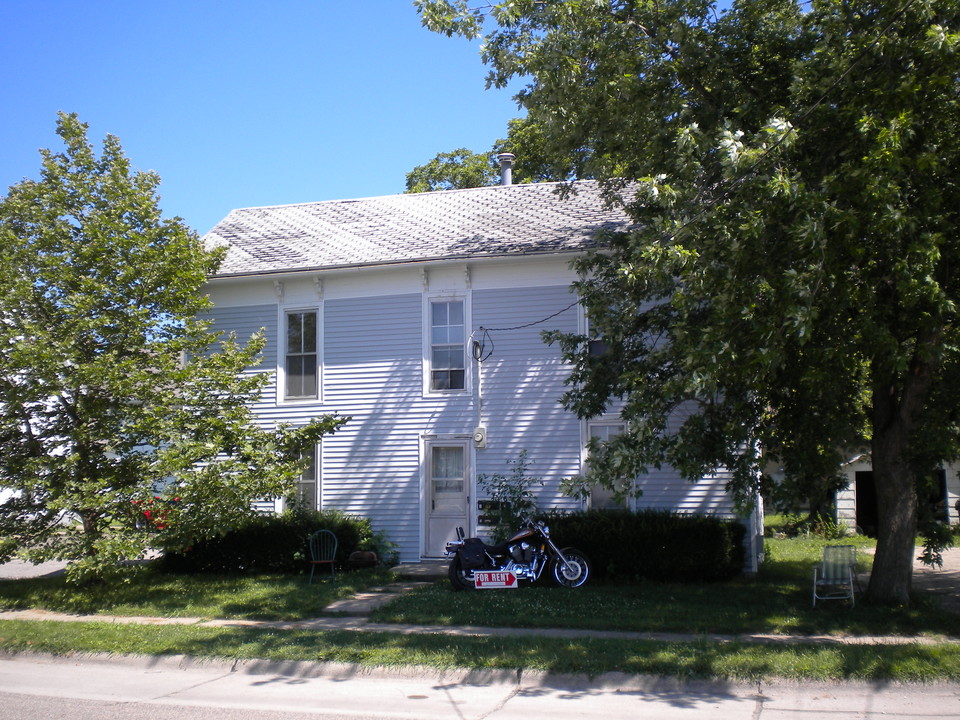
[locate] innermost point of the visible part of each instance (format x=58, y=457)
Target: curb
x=520, y=678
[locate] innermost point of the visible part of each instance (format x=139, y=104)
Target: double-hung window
x=300, y=361
x=602, y=498
x=447, y=345
x=308, y=484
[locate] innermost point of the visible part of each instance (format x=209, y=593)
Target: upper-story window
x=447, y=344
x=300, y=365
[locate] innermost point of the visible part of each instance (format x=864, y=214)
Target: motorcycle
x=527, y=555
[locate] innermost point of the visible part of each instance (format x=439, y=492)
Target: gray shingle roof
x=451, y=224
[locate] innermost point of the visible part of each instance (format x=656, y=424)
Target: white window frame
x=282, y=355
x=428, y=302
x=589, y=426
x=314, y=480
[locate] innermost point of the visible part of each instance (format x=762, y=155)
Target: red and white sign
x=485, y=579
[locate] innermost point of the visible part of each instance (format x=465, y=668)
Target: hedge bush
x=653, y=544
x=273, y=543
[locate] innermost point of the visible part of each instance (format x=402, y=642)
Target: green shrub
x=653, y=544
x=511, y=496
x=388, y=552
x=793, y=525
x=274, y=543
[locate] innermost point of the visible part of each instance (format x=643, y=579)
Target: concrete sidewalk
x=147, y=688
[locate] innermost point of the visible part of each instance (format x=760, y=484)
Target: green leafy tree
x=116, y=399
x=535, y=161
x=454, y=170
x=513, y=496
x=790, y=289
x=465, y=169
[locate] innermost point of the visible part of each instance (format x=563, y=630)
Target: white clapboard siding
x=522, y=381
x=373, y=372
x=245, y=322
x=665, y=490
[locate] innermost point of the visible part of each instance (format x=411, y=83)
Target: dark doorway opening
x=867, y=516
x=933, y=498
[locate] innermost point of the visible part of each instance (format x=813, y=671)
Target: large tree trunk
x=896, y=407
x=892, y=575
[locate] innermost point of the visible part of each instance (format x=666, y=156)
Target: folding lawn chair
x=835, y=575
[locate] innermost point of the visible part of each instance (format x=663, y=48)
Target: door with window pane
x=447, y=494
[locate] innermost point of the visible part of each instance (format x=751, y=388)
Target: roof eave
x=440, y=259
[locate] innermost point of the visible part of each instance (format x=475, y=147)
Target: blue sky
x=244, y=103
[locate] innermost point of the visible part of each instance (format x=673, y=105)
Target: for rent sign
x=485, y=579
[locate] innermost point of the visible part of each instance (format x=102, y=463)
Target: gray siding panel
x=522, y=382
x=372, y=371
x=244, y=322
x=666, y=490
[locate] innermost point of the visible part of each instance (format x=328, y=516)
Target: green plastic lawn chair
x=835, y=575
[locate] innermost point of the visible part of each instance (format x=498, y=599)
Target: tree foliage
x=453, y=170
x=790, y=289
x=116, y=398
x=463, y=168
x=514, y=499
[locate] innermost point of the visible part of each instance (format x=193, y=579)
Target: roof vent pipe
x=506, y=168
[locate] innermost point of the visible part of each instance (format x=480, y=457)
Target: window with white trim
x=307, y=492
x=601, y=498
x=447, y=345
x=301, y=370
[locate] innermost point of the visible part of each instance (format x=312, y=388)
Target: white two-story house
x=419, y=316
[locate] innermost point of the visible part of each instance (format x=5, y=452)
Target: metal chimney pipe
x=506, y=168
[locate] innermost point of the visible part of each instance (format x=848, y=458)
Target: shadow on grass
x=144, y=591
x=777, y=601
x=685, y=660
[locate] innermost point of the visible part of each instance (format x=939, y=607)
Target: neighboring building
x=856, y=505
x=419, y=316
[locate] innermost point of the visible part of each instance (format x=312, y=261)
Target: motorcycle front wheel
x=574, y=572
x=460, y=578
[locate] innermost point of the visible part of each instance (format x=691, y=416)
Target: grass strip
x=776, y=601
x=146, y=592
x=701, y=659
x=733, y=608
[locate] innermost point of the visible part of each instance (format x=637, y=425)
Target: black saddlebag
x=471, y=554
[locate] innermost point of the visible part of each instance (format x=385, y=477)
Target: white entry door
x=448, y=494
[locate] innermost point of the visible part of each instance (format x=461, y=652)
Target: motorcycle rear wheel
x=574, y=572
x=460, y=578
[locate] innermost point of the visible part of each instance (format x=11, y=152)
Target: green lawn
x=776, y=601
x=148, y=593
x=702, y=659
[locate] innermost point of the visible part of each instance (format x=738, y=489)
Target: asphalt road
x=39, y=687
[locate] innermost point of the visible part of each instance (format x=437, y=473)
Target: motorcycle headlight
x=546, y=529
